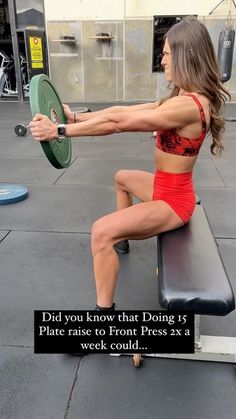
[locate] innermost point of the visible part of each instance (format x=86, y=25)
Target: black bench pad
x=191, y=275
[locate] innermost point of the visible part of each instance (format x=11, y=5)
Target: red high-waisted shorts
x=176, y=189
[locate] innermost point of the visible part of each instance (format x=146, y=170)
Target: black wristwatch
x=61, y=131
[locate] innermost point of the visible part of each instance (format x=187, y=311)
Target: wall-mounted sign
x=35, y=41
x=36, y=51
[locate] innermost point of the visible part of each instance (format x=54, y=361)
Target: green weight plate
x=44, y=99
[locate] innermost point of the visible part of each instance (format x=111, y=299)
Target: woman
x=182, y=121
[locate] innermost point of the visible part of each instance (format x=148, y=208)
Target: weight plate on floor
x=44, y=99
x=20, y=130
x=10, y=193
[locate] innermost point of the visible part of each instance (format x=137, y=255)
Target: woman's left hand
x=70, y=116
x=42, y=129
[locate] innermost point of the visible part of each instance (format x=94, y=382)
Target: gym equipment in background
x=225, y=52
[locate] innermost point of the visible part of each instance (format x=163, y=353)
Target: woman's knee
x=100, y=237
x=121, y=177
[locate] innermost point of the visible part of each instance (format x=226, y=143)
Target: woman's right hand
x=68, y=114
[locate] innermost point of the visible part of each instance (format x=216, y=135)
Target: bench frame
x=207, y=348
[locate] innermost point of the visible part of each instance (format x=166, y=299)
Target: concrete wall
x=121, y=9
x=121, y=69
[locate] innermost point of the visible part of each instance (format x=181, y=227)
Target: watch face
x=61, y=130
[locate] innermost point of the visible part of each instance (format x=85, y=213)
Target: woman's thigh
x=139, y=221
x=136, y=182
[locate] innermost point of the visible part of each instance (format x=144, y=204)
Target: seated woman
x=182, y=121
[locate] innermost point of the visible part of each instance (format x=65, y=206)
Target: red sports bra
x=169, y=141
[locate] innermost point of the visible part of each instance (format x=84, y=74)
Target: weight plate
x=20, y=130
x=44, y=99
x=10, y=193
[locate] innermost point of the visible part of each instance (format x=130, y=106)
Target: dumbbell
x=21, y=130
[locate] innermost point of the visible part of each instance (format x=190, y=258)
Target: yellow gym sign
x=36, y=52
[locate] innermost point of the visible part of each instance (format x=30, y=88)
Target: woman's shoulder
x=190, y=99
x=186, y=107
x=188, y=102
x=181, y=101
x=201, y=97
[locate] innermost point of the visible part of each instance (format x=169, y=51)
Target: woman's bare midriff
x=172, y=163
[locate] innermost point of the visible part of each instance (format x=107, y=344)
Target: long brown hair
x=195, y=69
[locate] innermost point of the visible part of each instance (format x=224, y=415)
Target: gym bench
x=192, y=277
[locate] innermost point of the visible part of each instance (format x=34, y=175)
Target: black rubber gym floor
x=46, y=264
